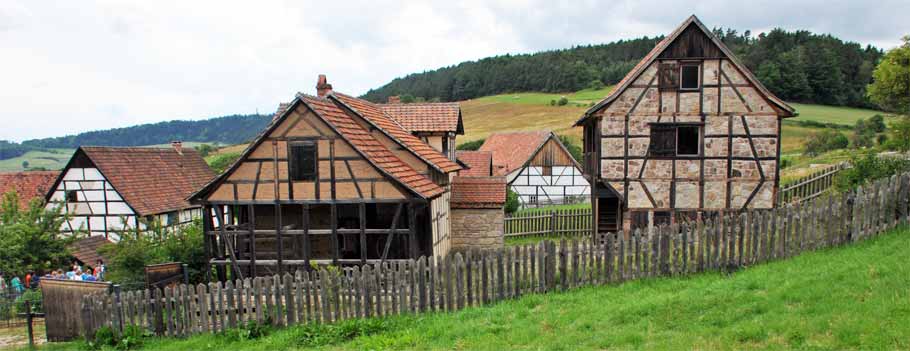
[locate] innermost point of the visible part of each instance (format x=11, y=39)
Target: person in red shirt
x=28, y=280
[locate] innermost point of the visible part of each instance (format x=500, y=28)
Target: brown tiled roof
x=372, y=113
x=427, y=117
x=86, y=250
x=371, y=148
x=151, y=180
x=28, y=185
x=481, y=163
x=652, y=55
x=478, y=192
x=512, y=150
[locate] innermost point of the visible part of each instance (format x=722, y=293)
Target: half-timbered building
x=333, y=179
x=435, y=123
x=106, y=190
x=537, y=167
x=688, y=131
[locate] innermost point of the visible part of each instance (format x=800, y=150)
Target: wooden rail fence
x=552, y=223
x=478, y=278
x=810, y=186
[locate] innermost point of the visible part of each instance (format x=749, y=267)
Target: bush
x=315, y=335
x=785, y=162
x=573, y=148
x=596, y=84
x=900, y=135
x=221, y=162
x=512, y=203
x=131, y=338
x=471, y=145
x=562, y=101
x=877, y=123
x=869, y=167
x=552, y=102
x=129, y=256
x=824, y=141
x=34, y=297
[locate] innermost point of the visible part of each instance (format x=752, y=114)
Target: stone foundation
x=480, y=228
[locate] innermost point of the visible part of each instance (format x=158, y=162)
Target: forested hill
x=225, y=130
x=797, y=66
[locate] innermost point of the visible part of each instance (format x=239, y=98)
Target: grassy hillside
x=833, y=114
x=854, y=297
x=55, y=159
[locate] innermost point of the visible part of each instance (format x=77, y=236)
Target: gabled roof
x=86, y=249
x=370, y=148
x=480, y=163
x=340, y=117
x=512, y=151
x=478, y=192
x=661, y=46
x=427, y=117
x=150, y=180
x=28, y=185
x=379, y=119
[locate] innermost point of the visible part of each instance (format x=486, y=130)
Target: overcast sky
x=72, y=66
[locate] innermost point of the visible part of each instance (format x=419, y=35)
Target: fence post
x=553, y=222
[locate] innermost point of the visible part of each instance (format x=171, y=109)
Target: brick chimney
x=178, y=146
x=395, y=99
x=323, y=88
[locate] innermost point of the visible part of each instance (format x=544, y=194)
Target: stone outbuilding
x=477, y=216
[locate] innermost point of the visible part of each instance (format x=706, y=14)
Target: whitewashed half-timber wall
x=95, y=208
x=565, y=184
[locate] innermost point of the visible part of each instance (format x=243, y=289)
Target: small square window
x=669, y=140
x=669, y=76
x=689, y=77
x=532, y=199
x=72, y=196
x=171, y=218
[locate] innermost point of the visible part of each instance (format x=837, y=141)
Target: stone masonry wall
x=479, y=228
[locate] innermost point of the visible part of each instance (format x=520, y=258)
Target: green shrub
x=34, y=297
x=900, y=135
x=868, y=167
x=785, y=162
x=512, y=203
x=315, y=335
x=552, y=102
x=596, y=84
x=562, y=101
x=219, y=163
x=824, y=141
x=470, y=145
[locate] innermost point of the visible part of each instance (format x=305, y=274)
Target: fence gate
x=63, y=306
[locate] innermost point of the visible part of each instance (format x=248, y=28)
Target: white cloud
x=72, y=66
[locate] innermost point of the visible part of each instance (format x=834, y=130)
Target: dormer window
x=689, y=77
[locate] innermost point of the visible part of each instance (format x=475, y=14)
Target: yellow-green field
x=834, y=114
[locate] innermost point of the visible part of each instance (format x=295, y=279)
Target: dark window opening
x=71, y=196
x=737, y=173
x=687, y=141
x=639, y=219
x=669, y=140
x=303, y=159
x=662, y=218
x=663, y=140
x=689, y=79
x=445, y=146
x=171, y=218
x=669, y=76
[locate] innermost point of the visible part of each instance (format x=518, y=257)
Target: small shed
x=477, y=212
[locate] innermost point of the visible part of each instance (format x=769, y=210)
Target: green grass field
x=853, y=297
x=51, y=159
x=834, y=114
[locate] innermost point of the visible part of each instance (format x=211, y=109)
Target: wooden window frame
x=654, y=153
x=683, y=66
x=292, y=160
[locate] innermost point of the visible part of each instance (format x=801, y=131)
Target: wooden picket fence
x=810, y=186
x=552, y=223
x=478, y=278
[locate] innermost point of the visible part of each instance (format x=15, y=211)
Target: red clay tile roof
x=373, y=114
x=481, y=163
x=28, y=185
x=478, y=192
x=371, y=148
x=427, y=117
x=151, y=180
x=649, y=58
x=86, y=250
x=513, y=150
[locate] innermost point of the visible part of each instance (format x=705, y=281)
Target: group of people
x=75, y=272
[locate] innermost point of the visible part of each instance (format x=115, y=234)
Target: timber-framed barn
x=333, y=179
x=688, y=133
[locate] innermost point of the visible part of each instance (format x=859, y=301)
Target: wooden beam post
x=278, y=236
x=252, y=239
x=334, y=220
x=412, y=229
x=306, y=234
x=363, y=232
x=207, y=238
